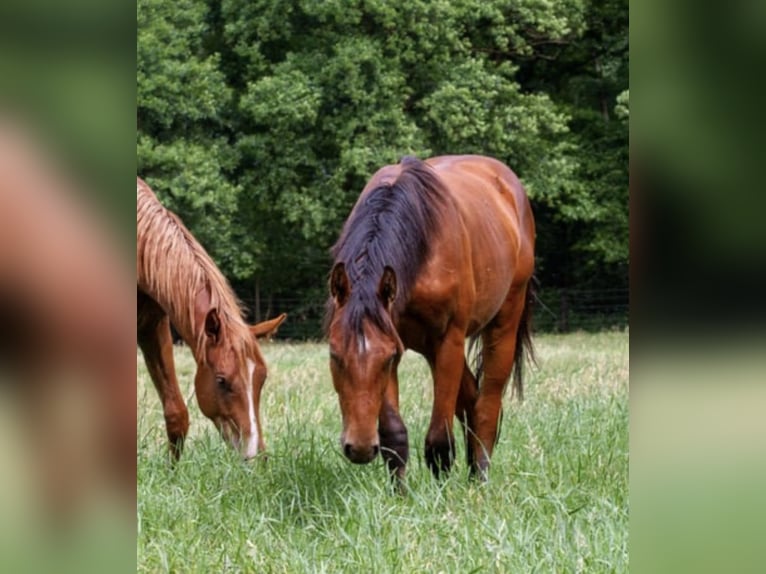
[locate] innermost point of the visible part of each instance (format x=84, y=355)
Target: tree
x=183, y=127
x=260, y=121
x=588, y=245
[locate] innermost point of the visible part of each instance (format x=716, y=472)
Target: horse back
x=486, y=247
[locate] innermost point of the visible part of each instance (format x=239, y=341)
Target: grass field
x=556, y=500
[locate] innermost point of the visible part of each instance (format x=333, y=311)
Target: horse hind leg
x=156, y=343
x=501, y=350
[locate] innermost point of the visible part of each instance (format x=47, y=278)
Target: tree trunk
x=257, y=302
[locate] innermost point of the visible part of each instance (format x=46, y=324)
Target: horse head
x=364, y=355
x=230, y=375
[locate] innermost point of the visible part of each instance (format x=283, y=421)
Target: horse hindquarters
x=156, y=343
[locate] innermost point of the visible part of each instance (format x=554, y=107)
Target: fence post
x=564, y=311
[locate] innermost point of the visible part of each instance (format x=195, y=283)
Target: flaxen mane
x=176, y=267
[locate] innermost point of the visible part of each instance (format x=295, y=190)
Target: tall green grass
x=556, y=499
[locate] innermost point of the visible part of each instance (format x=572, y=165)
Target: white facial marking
x=363, y=347
x=251, y=449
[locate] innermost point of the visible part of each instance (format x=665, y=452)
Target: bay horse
x=433, y=254
x=178, y=282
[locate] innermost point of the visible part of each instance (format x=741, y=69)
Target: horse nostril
x=360, y=455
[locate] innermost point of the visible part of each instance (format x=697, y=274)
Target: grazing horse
x=179, y=283
x=67, y=359
x=433, y=253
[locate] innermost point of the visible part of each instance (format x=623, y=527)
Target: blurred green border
x=67, y=70
x=67, y=75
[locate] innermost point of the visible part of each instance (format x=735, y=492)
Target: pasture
x=556, y=500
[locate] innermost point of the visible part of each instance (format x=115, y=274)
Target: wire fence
x=565, y=310
x=555, y=311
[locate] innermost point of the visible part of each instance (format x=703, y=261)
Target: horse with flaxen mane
x=433, y=253
x=178, y=282
x=66, y=337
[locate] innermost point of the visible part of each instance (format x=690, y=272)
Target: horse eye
x=223, y=384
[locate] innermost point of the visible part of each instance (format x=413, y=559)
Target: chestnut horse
x=432, y=254
x=66, y=337
x=179, y=283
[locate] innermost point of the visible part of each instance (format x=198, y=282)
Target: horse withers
x=178, y=282
x=433, y=254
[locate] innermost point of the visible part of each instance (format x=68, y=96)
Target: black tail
x=524, y=348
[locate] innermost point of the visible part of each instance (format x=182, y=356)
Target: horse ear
x=339, y=286
x=267, y=328
x=387, y=286
x=213, y=324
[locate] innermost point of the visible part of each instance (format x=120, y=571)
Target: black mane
x=391, y=227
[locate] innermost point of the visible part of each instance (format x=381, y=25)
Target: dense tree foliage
x=261, y=120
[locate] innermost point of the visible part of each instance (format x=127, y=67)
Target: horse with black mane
x=433, y=254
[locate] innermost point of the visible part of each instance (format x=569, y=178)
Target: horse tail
x=475, y=357
x=524, y=349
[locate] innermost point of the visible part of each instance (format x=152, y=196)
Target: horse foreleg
x=464, y=411
x=156, y=344
x=394, y=444
x=447, y=369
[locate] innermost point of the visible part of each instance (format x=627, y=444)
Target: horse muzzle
x=360, y=453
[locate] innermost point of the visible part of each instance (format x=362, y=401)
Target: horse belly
x=494, y=252
x=492, y=284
